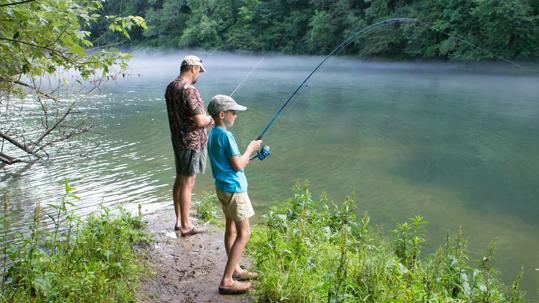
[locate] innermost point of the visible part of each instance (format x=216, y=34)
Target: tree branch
x=58, y=38
x=24, y=147
x=78, y=130
x=7, y=159
x=48, y=131
x=34, y=88
x=52, y=50
x=16, y=3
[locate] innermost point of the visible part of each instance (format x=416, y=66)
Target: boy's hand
x=239, y=162
x=254, y=145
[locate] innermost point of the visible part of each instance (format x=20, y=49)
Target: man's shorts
x=236, y=206
x=190, y=162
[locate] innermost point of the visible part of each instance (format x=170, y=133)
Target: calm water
x=456, y=145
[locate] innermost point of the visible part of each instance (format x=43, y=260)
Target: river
x=455, y=143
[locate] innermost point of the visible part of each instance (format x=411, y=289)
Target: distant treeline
x=508, y=28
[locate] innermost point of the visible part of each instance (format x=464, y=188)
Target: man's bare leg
x=230, y=237
x=243, y=233
x=181, y=195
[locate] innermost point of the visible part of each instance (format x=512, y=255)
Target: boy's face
x=229, y=118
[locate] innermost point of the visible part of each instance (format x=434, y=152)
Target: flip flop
x=245, y=275
x=236, y=288
x=193, y=231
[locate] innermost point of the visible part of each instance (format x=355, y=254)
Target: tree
x=508, y=29
x=48, y=37
x=321, y=37
x=166, y=23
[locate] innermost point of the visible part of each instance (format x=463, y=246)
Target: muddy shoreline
x=184, y=270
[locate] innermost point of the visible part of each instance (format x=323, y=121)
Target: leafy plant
x=207, y=209
x=75, y=261
x=314, y=251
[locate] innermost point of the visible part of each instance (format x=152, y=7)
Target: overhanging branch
x=48, y=131
x=16, y=3
x=34, y=88
x=7, y=159
x=52, y=50
x=11, y=140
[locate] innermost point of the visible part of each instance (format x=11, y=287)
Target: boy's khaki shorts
x=236, y=206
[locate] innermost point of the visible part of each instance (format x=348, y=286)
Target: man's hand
x=202, y=120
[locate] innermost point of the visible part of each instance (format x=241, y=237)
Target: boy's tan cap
x=193, y=61
x=223, y=103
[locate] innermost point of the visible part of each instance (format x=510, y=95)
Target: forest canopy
x=508, y=28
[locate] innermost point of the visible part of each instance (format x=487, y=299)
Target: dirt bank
x=184, y=269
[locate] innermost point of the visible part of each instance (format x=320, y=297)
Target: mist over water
x=458, y=144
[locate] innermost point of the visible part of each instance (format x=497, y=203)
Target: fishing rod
x=343, y=44
x=264, y=151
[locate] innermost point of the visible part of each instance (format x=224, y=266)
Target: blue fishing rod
x=264, y=151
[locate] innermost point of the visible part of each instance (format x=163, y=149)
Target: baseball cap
x=223, y=103
x=193, y=61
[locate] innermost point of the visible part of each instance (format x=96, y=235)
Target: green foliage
x=315, y=251
x=91, y=261
x=322, y=32
x=408, y=239
x=207, y=208
x=39, y=37
x=508, y=28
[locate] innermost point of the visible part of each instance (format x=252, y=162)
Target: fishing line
x=463, y=40
x=341, y=45
x=246, y=77
x=358, y=35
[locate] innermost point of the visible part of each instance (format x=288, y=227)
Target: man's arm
x=239, y=162
x=202, y=120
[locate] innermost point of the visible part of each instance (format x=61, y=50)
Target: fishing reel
x=262, y=153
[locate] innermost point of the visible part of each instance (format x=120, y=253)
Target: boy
x=231, y=186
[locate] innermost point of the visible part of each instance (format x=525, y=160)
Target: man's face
x=196, y=72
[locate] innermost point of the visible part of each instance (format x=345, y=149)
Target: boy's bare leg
x=230, y=236
x=181, y=195
x=242, y=237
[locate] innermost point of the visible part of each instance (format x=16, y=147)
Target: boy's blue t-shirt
x=221, y=147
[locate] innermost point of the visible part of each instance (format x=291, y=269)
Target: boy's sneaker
x=245, y=275
x=236, y=288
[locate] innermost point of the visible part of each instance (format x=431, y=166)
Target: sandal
x=193, y=231
x=235, y=288
x=245, y=275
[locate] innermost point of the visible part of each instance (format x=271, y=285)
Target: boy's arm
x=239, y=162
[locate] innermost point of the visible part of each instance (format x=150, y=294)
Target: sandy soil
x=184, y=269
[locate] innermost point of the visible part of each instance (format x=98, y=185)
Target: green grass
x=77, y=261
x=208, y=210
x=311, y=254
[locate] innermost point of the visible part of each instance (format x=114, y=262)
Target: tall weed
x=76, y=261
x=316, y=251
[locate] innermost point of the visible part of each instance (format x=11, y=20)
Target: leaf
x=67, y=187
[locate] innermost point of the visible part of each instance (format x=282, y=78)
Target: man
x=188, y=122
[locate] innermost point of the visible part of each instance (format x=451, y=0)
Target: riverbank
x=306, y=253
x=307, y=250
x=184, y=270
x=75, y=259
